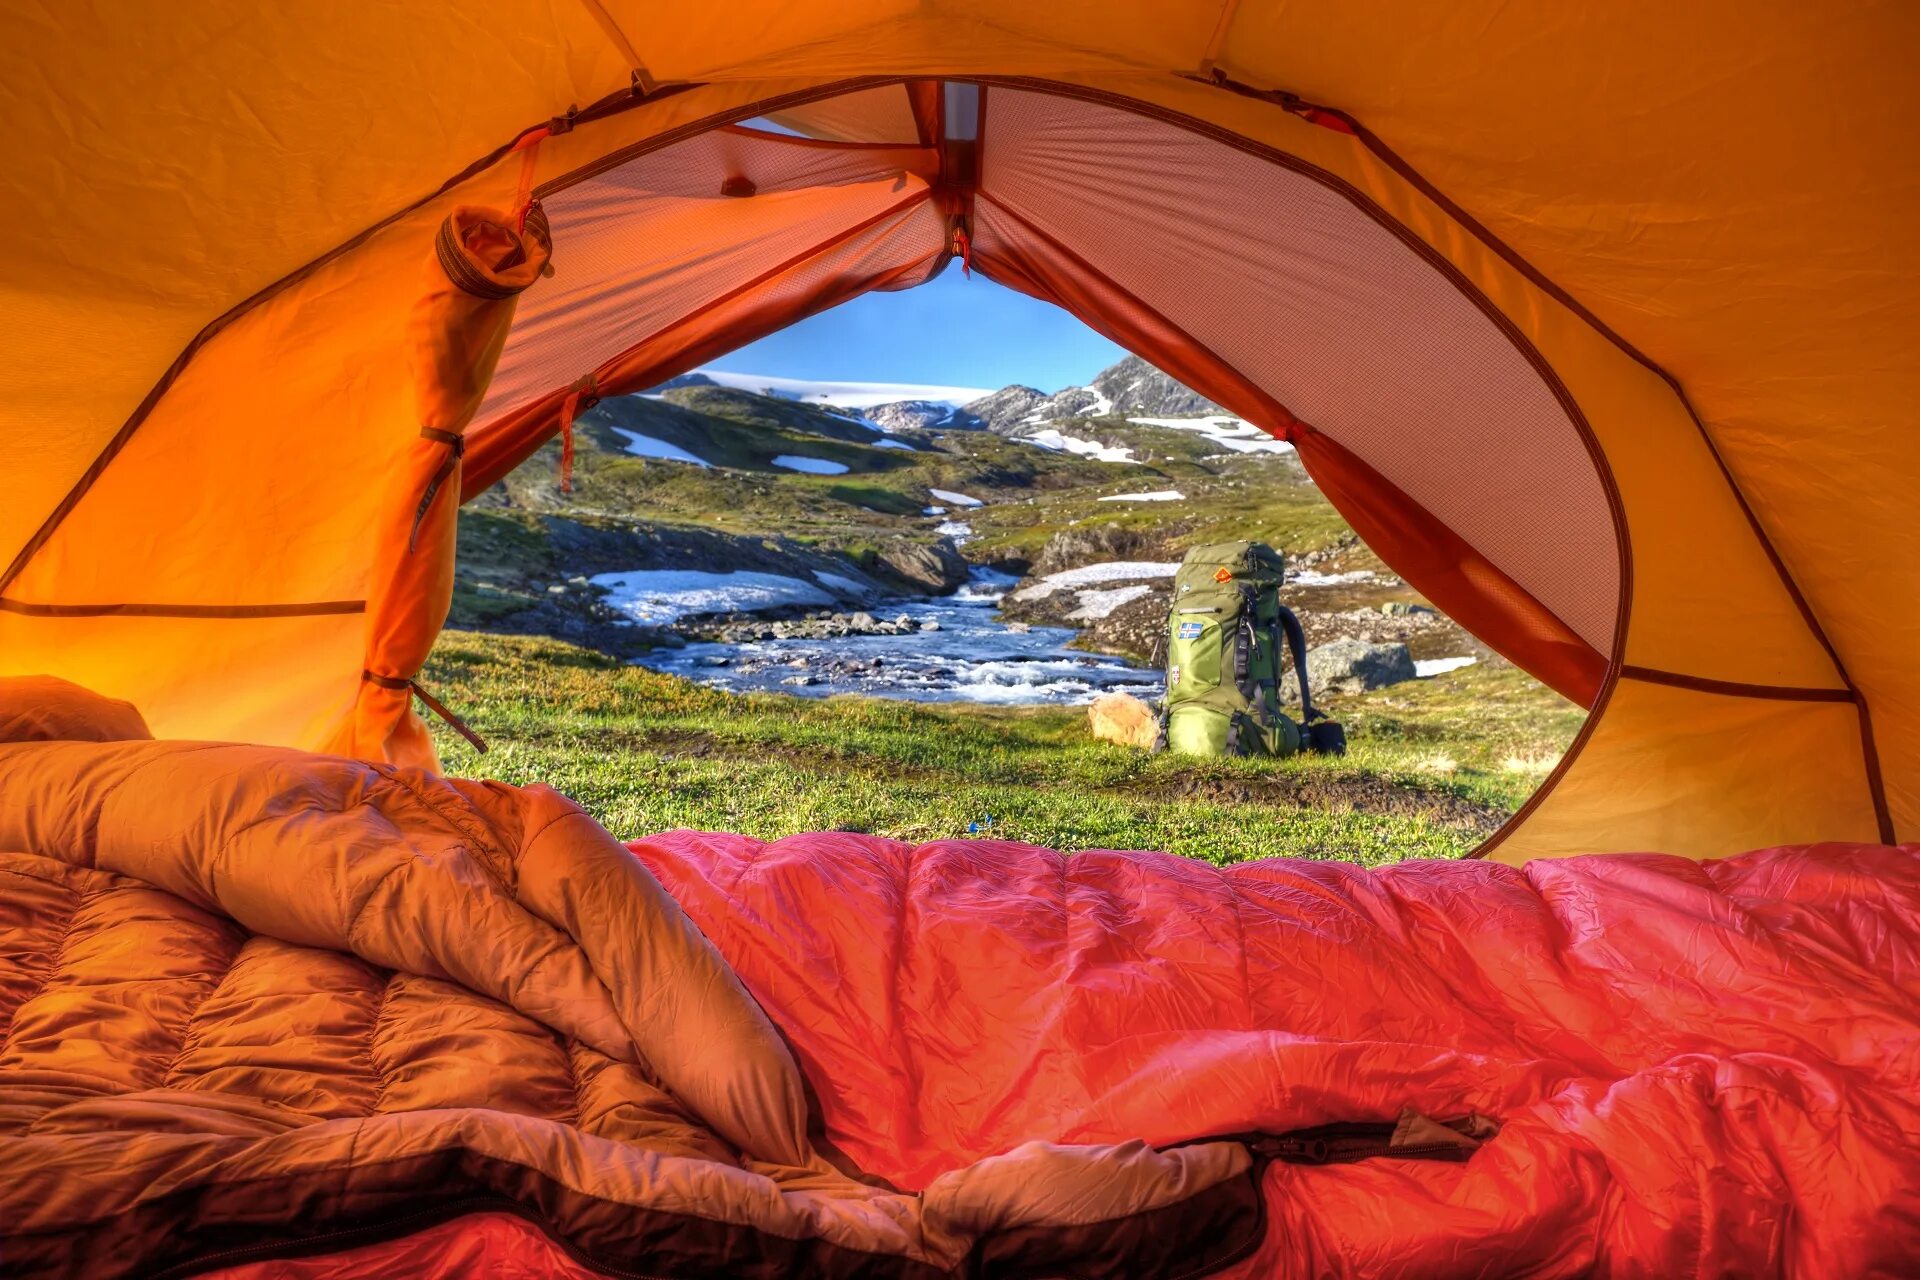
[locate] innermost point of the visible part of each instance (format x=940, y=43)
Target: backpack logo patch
x=1173, y=674
x=1191, y=630
x=1222, y=575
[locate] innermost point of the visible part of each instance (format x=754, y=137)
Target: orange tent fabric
x=1621, y=301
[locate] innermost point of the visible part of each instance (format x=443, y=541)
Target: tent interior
x=1513, y=458
x=1596, y=327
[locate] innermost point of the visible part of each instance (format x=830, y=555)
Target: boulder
x=1351, y=666
x=1125, y=719
x=936, y=568
x=1071, y=548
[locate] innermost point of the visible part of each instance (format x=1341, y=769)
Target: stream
x=969, y=657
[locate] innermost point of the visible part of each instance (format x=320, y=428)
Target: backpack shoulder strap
x=1297, y=644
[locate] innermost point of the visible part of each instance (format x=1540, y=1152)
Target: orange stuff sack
x=48, y=709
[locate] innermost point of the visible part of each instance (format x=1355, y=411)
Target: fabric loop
x=433, y=704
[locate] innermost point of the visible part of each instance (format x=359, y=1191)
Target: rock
x=931, y=624
x=1071, y=547
x=1351, y=666
x=801, y=680
x=1125, y=719
x=1402, y=609
x=863, y=622
x=935, y=568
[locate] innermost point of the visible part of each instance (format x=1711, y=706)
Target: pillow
x=49, y=709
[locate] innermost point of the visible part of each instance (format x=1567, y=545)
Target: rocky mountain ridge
x=1130, y=387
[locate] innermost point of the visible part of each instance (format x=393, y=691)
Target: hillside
x=1435, y=766
x=764, y=549
x=702, y=476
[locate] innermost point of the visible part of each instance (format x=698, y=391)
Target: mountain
x=923, y=415
x=684, y=380
x=1130, y=387
x=1134, y=386
x=1007, y=407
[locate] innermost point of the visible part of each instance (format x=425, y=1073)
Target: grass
x=1434, y=767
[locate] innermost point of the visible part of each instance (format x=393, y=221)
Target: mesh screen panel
x=1326, y=311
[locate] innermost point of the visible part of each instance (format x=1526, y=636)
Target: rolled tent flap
x=478, y=266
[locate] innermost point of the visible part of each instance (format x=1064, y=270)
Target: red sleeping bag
x=1699, y=1069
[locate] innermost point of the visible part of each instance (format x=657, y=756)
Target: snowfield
x=660, y=596
x=1088, y=575
x=955, y=499
x=648, y=447
x=844, y=585
x=1158, y=495
x=812, y=466
x=1096, y=603
x=845, y=395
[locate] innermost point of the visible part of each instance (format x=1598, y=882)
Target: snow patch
x=812, y=466
x=1158, y=495
x=1236, y=434
x=1091, y=574
x=659, y=596
x=1313, y=578
x=956, y=499
x=1440, y=666
x=1098, y=604
x=890, y=444
x=648, y=447
x=1054, y=440
x=843, y=584
x=958, y=530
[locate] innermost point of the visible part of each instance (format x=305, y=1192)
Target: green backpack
x=1223, y=659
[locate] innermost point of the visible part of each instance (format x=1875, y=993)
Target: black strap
x=1297, y=642
x=434, y=705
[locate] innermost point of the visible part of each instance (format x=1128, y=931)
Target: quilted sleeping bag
x=264, y=1013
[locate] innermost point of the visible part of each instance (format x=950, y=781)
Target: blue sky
x=955, y=332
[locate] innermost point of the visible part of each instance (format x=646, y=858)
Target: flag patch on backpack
x=1191, y=630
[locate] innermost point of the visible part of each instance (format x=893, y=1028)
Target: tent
x=1598, y=326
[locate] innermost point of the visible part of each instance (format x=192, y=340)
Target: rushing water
x=971, y=657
